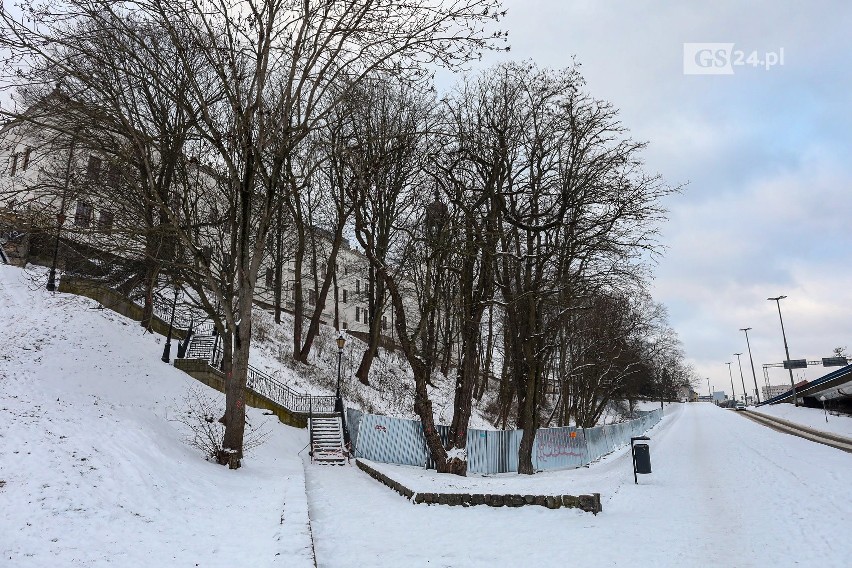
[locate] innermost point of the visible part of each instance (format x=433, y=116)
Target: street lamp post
x=733, y=392
x=777, y=301
x=338, y=401
x=341, y=341
x=60, y=219
x=740, y=363
x=822, y=400
x=753, y=375
x=167, y=350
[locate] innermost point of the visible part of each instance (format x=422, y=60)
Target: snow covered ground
x=811, y=417
x=725, y=492
x=95, y=473
x=94, y=467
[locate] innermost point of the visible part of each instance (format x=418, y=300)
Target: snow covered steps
x=327, y=440
x=201, y=347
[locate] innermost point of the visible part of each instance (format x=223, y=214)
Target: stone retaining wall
x=589, y=503
x=115, y=301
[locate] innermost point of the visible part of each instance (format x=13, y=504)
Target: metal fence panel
x=401, y=441
x=353, y=421
x=444, y=434
x=597, y=444
x=559, y=448
x=391, y=440
x=478, y=458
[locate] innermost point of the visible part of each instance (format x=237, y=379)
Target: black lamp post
x=60, y=219
x=338, y=401
x=182, y=345
x=751, y=360
x=341, y=341
x=777, y=301
x=167, y=350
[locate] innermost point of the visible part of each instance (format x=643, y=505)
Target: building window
x=357, y=314
x=26, y=163
x=93, y=170
x=344, y=325
x=83, y=215
x=14, y=163
x=105, y=221
x=344, y=295
x=357, y=286
x=312, y=297
x=384, y=322
x=269, y=278
x=113, y=176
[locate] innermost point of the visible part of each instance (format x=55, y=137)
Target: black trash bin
x=641, y=456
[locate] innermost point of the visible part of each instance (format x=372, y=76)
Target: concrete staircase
x=201, y=347
x=327, y=441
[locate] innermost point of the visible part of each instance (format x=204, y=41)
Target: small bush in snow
x=261, y=329
x=201, y=413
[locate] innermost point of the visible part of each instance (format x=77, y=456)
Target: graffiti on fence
x=557, y=442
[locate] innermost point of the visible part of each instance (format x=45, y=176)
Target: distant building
x=719, y=396
x=774, y=390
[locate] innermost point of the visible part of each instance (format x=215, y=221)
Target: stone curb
x=588, y=503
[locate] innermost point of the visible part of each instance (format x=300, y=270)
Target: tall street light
x=341, y=341
x=740, y=363
x=777, y=301
x=167, y=350
x=733, y=392
x=338, y=401
x=753, y=375
x=709, y=392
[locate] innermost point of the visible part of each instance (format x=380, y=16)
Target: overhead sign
x=796, y=364
x=834, y=361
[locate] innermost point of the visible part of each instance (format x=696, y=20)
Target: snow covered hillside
x=391, y=389
x=93, y=465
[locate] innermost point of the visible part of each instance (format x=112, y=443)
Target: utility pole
x=777, y=301
x=733, y=392
x=740, y=363
x=753, y=375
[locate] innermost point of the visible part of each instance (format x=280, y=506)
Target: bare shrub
x=200, y=415
x=261, y=329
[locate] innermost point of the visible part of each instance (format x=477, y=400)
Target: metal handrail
x=268, y=386
x=257, y=381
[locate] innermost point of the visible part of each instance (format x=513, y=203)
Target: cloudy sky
x=766, y=154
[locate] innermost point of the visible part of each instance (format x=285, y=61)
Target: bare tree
x=262, y=75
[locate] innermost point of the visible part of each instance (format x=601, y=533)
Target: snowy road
x=725, y=492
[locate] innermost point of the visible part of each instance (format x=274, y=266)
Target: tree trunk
x=152, y=271
x=313, y=328
x=375, y=335
x=279, y=261
x=298, y=300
